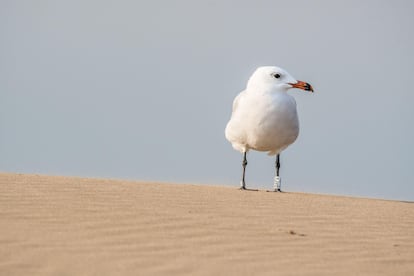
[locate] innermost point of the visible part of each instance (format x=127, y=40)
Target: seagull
x=264, y=116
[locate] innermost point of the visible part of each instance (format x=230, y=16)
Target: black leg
x=277, y=182
x=277, y=164
x=244, y=164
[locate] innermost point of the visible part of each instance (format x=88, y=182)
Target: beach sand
x=75, y=226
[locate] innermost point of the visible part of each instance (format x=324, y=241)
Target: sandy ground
x=75, y=226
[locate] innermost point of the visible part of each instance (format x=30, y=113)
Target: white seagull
x=264, y=116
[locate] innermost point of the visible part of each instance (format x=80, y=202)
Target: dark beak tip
x=309, y=87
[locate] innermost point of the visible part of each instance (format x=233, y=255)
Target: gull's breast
x=274, y=123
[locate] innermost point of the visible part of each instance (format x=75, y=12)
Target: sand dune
x=74, y=226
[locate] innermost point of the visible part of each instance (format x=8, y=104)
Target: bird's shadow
x=249, y=190
x=258, y=190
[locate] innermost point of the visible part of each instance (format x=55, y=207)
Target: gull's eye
x=277, y=75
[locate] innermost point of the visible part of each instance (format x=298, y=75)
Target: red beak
x=302, y=85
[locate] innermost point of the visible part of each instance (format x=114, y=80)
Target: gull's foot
x=248, y=189
x=242, y=185
x=274, y=191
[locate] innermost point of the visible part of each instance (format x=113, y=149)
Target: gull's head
x=275, y=78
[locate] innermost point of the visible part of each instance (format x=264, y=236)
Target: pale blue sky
x=143, y=90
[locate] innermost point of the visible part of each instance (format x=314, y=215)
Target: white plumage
x=264, y=116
